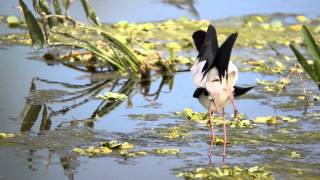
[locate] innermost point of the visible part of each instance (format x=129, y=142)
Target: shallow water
x=45, y=146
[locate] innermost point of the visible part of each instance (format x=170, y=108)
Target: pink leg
x=212, y=134
x=235, y=109
x=225, y=134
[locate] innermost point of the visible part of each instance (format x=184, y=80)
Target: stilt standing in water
x=215, y=77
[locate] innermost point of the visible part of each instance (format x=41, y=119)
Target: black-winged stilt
x=215, y=76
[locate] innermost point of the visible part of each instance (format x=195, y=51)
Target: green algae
x=7, y=135
x=112, y=96
x=167, y=151
x=202, y=117
x=106, y=148
x=175, y=132
x=226, y=172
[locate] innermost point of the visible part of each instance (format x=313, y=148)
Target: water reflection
x=188, y=5
x=56, y=99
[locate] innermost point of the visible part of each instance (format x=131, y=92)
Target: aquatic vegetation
x=273, y=86
x=138, y=48
x=272, y=66
x=13, y=21
x=294, y=155
x=255, y=172
x=195, y=116
x=202, y=117
x=105, y=148
x=174, y=133
x=167, y=151
x=135, y=154
x=311, y=67
x=7, y=135
x=114, y=144
x=125, y=59
x=112, y=96
x=92, y=151
x=274, y=120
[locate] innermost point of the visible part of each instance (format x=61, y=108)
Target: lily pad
x=112, y=96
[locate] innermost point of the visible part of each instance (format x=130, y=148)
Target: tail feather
x=238, y=91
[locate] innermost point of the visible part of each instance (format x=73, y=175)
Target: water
x=157, y=10
x=45, y=147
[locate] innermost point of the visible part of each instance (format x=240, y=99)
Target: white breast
x=218, y=91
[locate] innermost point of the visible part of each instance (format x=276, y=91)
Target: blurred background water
x=157, y=10
x=17, y=72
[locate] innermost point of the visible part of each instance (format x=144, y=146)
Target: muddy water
x=53, y=109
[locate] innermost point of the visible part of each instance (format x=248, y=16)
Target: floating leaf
x=266, y=120
x=92, y=151
x=288, y=119
x=174, y=133
x=112, y=96
x=7, y=135
x=226, y=172
x=170, y=151
x=296, y=27
x=302, y=19
x=294, y=155
x=13, y=21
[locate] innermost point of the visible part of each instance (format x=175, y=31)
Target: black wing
x=199, y=91
x=209, y=49
x=238, y=91
x=223, y=56
x=198, y=38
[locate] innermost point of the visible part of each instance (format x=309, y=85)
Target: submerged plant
x=313, y=67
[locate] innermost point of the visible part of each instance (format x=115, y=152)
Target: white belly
x=220, y=102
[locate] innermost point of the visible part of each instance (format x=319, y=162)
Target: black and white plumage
x=214, y=75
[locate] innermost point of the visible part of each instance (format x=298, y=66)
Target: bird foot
x=236, y=116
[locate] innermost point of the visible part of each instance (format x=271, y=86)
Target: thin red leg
x=235, y=109
x=212, y=134
x=225, y=134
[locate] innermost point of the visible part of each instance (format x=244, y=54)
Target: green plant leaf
x=35, y=31
x=91, y=15
x=302, y=60
x=66, y=4
x=312, y=46
x=317, y=71
x=57, y=7
x=133, y=60
x=43, y=4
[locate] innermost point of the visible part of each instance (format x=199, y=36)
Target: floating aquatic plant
x=255, y=172
x=175, y=133
x=217, y=120
x=112, y=96
x=167, y=151
x=274, y=120
x=92, y=151
x=105, y=148
x=7, y=135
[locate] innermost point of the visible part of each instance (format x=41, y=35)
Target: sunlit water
x=48, y=153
